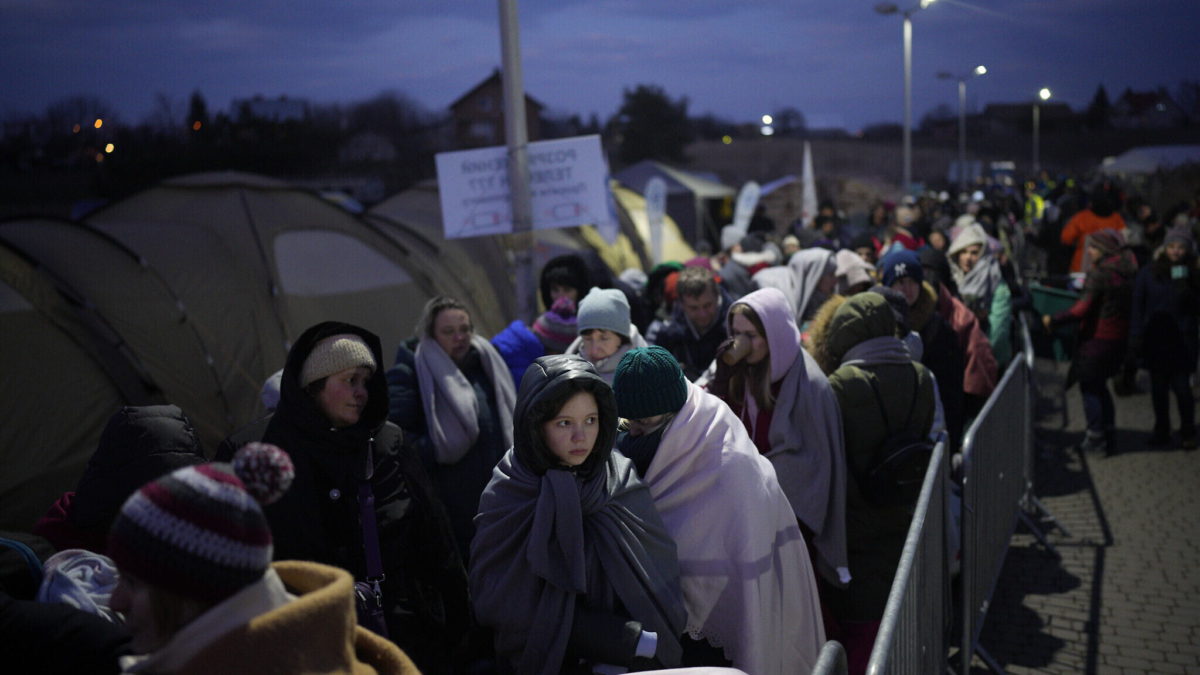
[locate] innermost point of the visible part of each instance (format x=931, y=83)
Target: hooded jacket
x=804, y=438
x=572, y=563
x=980, y=372
x=313, y=633
x=861, y=336
x=139, y=444
x=318, y=518
x=942, y=356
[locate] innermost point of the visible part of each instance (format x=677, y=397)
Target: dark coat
x=943, y=357
x=317, y=519
x=1164, y=320
x=457, y=485
x=694, y=351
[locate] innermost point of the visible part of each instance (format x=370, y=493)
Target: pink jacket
x=980, y=372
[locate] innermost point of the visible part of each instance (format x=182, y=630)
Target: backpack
x=896, y=471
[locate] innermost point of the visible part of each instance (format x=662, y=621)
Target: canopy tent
x=1150, y=159
x=690, y=197
x=189, y=293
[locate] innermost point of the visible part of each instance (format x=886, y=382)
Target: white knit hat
x=335, y=354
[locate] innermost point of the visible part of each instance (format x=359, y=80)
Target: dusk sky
x=837, y=61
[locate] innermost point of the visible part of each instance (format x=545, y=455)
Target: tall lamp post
x=890, y=8
x=962, y=120
x=1043, y=95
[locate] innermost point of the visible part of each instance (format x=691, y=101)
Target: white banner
x=568, y=180
x=656, y=207
x=746, y=201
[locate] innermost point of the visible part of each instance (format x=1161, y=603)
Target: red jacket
x=1081, y=225
x=980, y=371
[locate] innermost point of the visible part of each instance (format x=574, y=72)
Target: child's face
x=571, y=434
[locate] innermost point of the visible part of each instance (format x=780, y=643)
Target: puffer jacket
x=318, y=520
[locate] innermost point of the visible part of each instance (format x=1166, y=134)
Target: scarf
x=606, y=367
x=978, y=286
x=748, y=585
x=541, y=542
x=451, y=410
x=878, y=351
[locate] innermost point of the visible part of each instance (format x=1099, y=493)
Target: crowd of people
x=675, y=469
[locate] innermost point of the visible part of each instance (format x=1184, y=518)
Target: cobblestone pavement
x=1125, y=595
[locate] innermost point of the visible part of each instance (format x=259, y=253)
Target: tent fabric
x=686, y=194
x=1151, y=158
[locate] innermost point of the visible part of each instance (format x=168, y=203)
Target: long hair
x=752, y=377
x=434, y=307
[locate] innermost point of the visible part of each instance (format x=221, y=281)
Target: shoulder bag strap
x=366, y=505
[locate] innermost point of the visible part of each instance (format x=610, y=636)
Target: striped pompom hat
x=199, y=531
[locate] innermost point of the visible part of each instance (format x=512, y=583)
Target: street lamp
x=1043, y=95
x=890, y=8
x=962, y=120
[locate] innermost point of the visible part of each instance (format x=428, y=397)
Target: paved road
x=1125, y=596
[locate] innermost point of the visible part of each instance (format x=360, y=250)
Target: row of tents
x=191, y=291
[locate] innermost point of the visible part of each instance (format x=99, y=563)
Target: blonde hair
x=752, y=377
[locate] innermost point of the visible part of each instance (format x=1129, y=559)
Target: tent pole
x=516, y=137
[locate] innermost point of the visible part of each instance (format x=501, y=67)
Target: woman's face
x=1094, y=253
x=1175, y=251
x=452, y=330
x=969, y=256
x=743, y=329
x=344, y=396
x=133, y=598
x=937, y=239
x=599, y=344
x=571, y=434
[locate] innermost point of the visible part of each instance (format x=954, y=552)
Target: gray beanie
x=604, y=308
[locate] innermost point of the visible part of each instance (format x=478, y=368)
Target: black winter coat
x=694, y=352
x=317, y=519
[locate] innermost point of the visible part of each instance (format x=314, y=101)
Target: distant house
x=1017, y=118
x=282, y=109
x=1147, y=110
x=478, y=115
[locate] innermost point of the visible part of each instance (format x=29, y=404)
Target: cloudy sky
x=837, y=61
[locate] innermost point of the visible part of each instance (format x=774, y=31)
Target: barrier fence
x=911, y=636
x=832, y=660
x=1033, y=512
x=995, y=452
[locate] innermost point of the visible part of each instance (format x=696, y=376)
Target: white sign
x=656, y=206
x=568, y=182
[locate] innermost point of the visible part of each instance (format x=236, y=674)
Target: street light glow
x=980, y=70
x=767, y=119
x=926, y=3
x=727, y=139
x=99, y=123
x=767, y=130
x=1044, y=94
x=109, y=148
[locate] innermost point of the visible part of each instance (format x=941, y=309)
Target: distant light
x=980, y=70
x=926, y=3
x=99, y=123
x=75, y=129
x=109, y=148
x=767, y=119
x=767, y=130
x=196, y=125
x=1044, y=94
x=99, y=157
x=726, y=139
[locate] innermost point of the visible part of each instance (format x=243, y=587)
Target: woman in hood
x=784, y=400
x=807, y=281
x=605, y=331
x=982, y=288
x=452, y=393
x=571, y=564
x=332, y=420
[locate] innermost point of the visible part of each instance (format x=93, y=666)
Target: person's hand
x=1046, y=322
x=719, y=384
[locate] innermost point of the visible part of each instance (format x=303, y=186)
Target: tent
x=1150, y=159
x=690, y=196
x=188, y=292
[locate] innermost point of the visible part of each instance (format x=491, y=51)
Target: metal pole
x=1036, y=121
x=962, y=135
x=517, y=139
x=907, y=185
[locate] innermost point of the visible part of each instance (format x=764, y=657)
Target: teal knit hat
x=649, y=382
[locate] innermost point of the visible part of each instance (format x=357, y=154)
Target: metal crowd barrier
x=911, y=636
x=832, y=660
x=1033, y=512
x=995, y=451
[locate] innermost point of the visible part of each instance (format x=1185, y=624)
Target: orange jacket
x=1081, y=225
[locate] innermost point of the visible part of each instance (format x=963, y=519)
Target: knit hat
x=335, y=354
x=649, y=382
x=1107, y=240
x=900, y=264
x=1181, y=234
x=851, y=270
x=558, y=327
x=199, y=531
x=605, y=308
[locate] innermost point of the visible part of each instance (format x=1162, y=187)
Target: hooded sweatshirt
x=804, y=435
